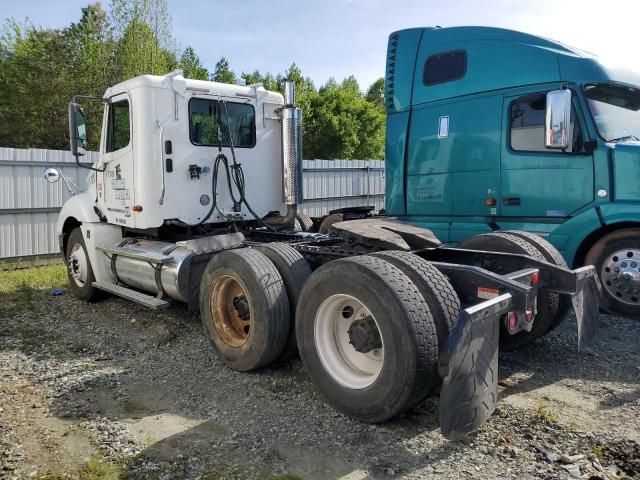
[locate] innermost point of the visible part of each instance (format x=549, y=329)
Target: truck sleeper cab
x=194, y=199
x=466, y=150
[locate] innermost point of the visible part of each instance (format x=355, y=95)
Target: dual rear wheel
x=368, y=328
x=368, y=332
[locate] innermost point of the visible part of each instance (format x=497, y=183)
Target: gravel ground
x=112, y=390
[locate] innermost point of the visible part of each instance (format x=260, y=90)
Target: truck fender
x=75, y=211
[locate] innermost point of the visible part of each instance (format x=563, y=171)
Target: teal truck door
x=536, y=181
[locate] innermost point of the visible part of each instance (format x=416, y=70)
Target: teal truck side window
x=445, y=67
x=527, y=125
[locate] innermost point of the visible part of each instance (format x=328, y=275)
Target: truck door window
x=237, y=119
x=119, y=126
x=445, y=67
x=527, y=125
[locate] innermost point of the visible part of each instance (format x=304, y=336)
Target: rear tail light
x=535, y=278
x=512, y=321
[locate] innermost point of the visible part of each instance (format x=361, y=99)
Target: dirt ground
x=112, y=390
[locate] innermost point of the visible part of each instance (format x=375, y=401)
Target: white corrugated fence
x=29, y=205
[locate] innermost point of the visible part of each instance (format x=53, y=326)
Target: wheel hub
x=348, y=341
x=231, y=307
x=621, y=275
x=78, y=265
x=364, y=335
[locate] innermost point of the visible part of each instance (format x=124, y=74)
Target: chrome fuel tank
x=142, y=264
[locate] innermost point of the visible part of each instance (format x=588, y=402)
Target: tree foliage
x=191, y=66
x=223, y=73
x=41, y=69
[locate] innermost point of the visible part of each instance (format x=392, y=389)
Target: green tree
x=375, y=93
x=145, y=42
x=91, y=63
x=35, y=86
x=223, y=73
x=350, y=83
x=343, y=124
x=269, y=81
x=190, y=64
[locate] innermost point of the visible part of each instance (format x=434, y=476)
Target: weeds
x=97, y=468
x=598, y=451
x=37, y=278
x=545, y=416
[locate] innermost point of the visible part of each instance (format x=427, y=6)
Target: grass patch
x=544, y=415
x=98, y=468
x=598, y=451
x=36, y=278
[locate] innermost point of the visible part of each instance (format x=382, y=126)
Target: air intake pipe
x=291, y=157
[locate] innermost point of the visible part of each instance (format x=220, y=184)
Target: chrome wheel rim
x=621, y=275
x=78, y=265
x=334, y=321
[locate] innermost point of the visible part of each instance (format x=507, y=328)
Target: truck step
x=153, y=257
x=124, y=292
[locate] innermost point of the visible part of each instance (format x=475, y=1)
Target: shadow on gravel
x=612, y=357
x=163, y=381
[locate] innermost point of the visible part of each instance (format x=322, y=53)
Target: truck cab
x=491, y=129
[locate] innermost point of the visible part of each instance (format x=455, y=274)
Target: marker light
x=535, y=278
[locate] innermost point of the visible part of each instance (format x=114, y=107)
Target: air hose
x=234, y=173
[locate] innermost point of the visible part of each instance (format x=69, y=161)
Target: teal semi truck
x=467, y=153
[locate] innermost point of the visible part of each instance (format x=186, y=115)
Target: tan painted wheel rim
x=232, y=312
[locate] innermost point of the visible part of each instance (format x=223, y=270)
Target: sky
x=338, y=38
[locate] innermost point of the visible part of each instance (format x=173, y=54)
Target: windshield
x=616, y=110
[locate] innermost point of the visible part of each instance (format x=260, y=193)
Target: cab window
x=119, y=126
x=527, y=116
x=234, y=122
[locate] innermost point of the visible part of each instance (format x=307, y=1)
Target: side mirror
x=557, y=119
x=51, y=175
x=77, y=130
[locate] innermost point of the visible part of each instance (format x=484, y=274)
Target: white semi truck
x=195, y=199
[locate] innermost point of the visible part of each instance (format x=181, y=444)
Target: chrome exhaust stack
x=291, y=157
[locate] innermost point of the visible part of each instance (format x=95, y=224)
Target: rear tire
x=295, y=271
x=244, y=308
x=329, y=221
x=303, y=223
x=434, y=286
x=389, y=320
x=79, y=269
x=551, y=255
x=620, y=295
x=547, y=301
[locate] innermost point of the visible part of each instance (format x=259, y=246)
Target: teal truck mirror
x=557, y=118
x=77, y=130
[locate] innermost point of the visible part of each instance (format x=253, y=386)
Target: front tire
x=616, y=257
x=367, y=338
x=79, y=269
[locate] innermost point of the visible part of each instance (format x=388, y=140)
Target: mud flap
x=585, y=304
x=469, y=368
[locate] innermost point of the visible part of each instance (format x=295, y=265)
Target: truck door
x=117, y=156
x=536, y=181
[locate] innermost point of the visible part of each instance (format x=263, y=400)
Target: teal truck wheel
x=617, y=260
